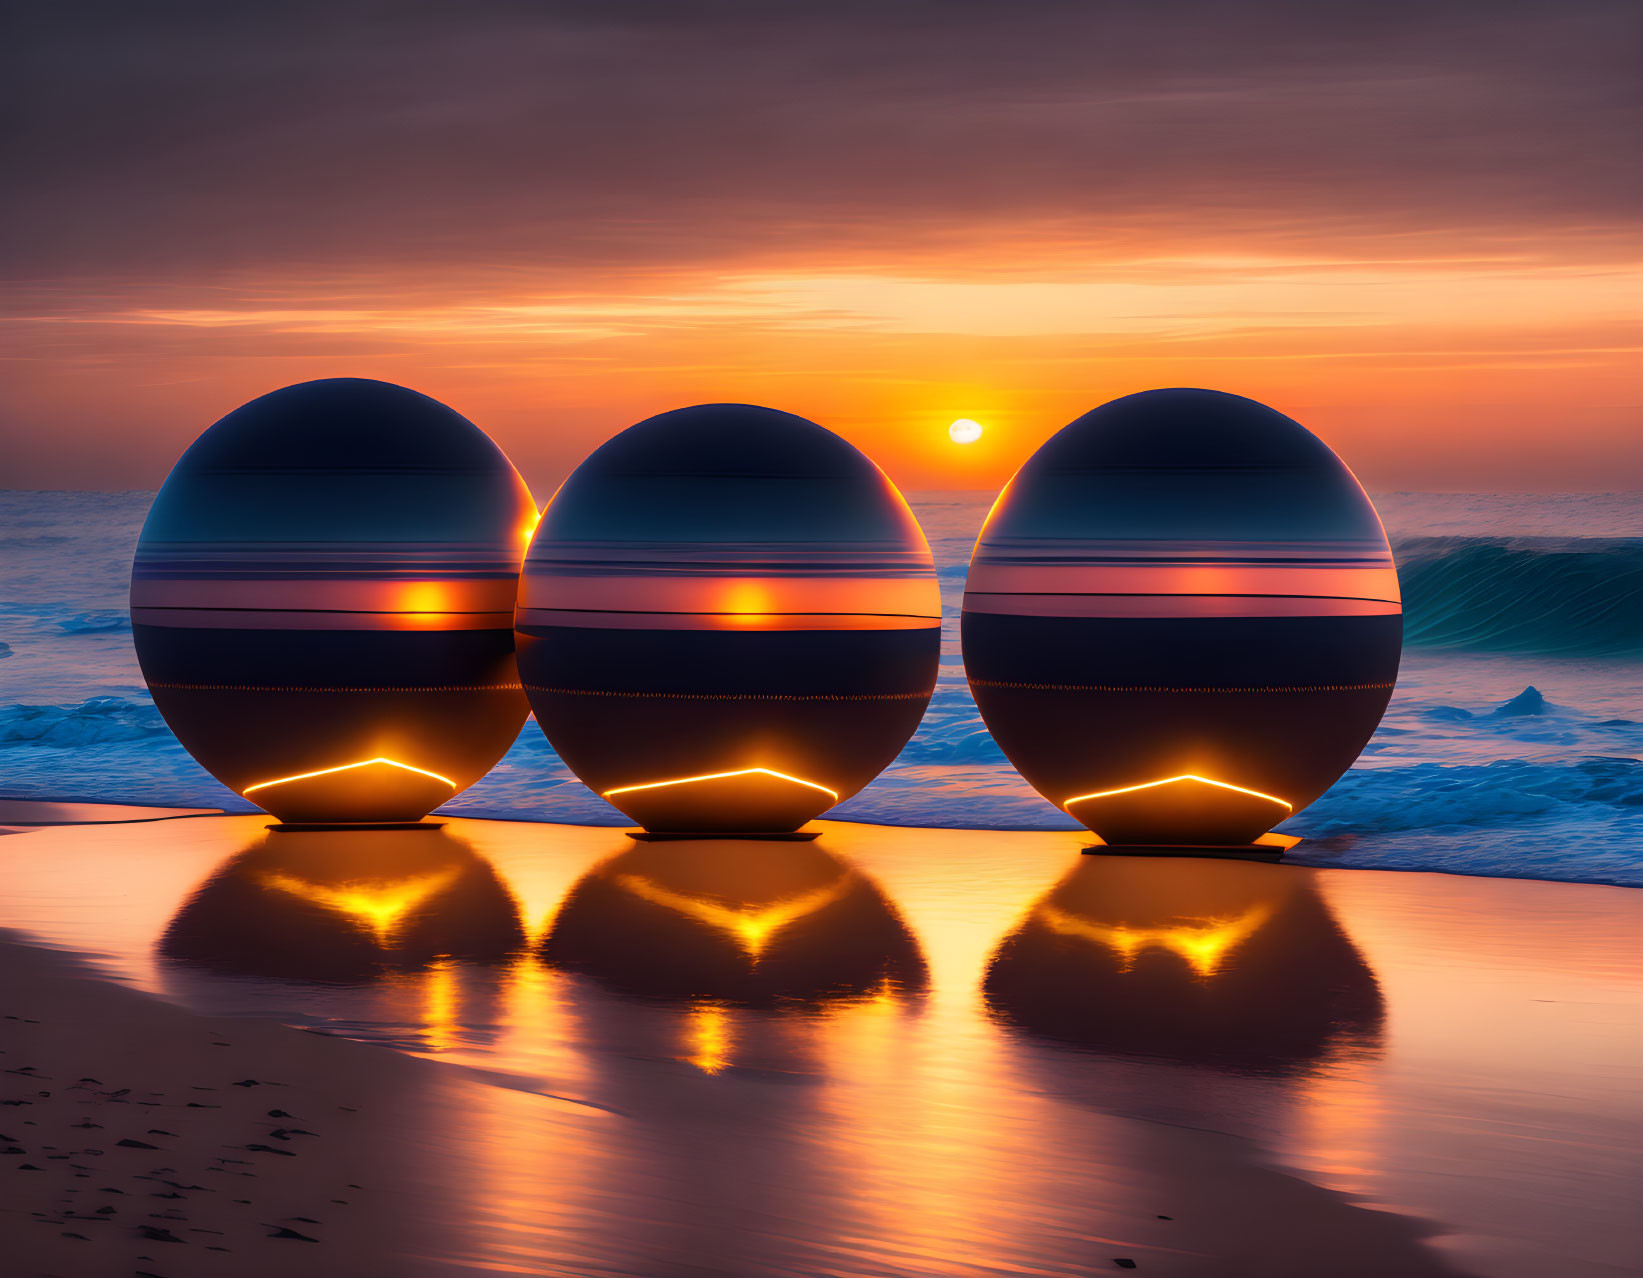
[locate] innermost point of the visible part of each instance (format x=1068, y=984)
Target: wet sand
x=892, y=1052
x=143, y=1138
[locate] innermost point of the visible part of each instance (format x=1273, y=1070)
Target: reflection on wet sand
x=722, y=922
x=742, y=1057
x=345, y=906
x=706, y=936
x=1230, y=964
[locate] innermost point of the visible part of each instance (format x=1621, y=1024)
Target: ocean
x=1513, y=746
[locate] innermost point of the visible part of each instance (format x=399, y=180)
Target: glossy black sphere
x=728, y=620
x=1182, y=621
x=322, y=601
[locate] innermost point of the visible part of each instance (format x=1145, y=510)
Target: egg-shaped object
x=1182, y=620
x=322, y=602
x=728, y=620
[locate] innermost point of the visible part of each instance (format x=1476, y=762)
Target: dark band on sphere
x=733, y=696
x=1155, y=687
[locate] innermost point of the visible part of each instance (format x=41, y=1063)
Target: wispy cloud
x=1412, y=223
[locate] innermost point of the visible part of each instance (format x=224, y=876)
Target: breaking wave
x=1580, y=597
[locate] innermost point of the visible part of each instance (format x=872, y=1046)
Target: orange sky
x=1403, y=233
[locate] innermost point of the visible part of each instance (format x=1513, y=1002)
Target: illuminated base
x=1179, y=811
x=1269, y=847
x=676, y=836
x=309, y=827
x=369, y=792
x=746, y=801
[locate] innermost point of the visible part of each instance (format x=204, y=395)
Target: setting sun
x=964, y=431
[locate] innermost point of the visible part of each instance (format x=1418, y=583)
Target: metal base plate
x=680, y=836
x=291, y=827
x=1219, y=851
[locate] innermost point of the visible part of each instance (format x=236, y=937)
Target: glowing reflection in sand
x=441, y=1010
x=1204, y=944
x=540, y=1025
x=753, y=927
x=924, y=1135
x=380, y=907
x=1337, y=1127
x=709, y=1038
x=902, y=1080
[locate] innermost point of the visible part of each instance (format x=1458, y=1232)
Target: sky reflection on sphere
x=728, y=620
x=1182, y=620
x=322, y=601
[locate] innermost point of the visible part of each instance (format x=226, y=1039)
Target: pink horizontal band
x=301, y=619
x=883, y=596
x=1377, y=582
x=741, y=621
x=429, y=595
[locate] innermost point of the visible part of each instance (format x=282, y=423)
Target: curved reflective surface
x=728, y=620
x=322, y=601
x=1182, y=582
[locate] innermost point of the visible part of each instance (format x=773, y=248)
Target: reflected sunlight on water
x=1204, y=944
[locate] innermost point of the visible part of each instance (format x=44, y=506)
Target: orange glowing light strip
x=720, y=776
x=527, y=529
x=347, y=767
x=1185, y=776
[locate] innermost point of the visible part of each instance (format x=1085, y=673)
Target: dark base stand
x=293, y=827
x=1218, y=851
x=681, y=836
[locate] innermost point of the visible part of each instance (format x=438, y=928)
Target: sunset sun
x=964, y=431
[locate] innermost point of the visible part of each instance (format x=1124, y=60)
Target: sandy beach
x=143, y=1139
x=906, y=1052
x=208, y=1146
